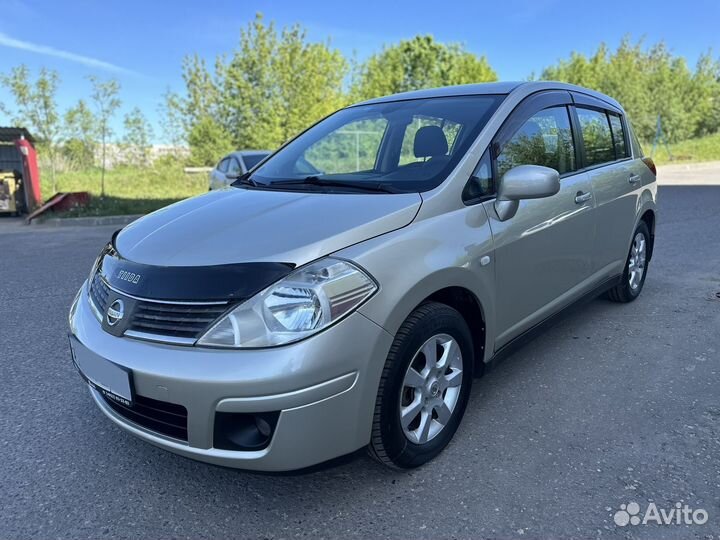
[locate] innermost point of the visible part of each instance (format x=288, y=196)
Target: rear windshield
x=407, y=145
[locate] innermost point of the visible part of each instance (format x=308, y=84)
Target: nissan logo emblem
x=115, y=312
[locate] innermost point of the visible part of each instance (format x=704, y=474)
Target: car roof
x=494, y=88
x=444, y=91
x=241, y=153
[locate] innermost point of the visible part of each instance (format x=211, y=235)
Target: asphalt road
x=614, y=404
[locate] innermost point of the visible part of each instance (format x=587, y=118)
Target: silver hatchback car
x=347, y=291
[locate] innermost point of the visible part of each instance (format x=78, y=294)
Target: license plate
x=111, y=380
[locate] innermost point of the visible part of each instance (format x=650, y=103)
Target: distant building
x=119, y=154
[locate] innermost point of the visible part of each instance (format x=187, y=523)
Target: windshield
x=407, y=145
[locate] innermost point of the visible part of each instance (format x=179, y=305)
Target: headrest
x=430, y=141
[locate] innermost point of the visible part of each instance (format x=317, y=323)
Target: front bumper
x=324, y=387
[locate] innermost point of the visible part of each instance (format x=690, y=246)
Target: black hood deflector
x=226, y=282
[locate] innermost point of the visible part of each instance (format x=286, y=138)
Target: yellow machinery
x=8, y=191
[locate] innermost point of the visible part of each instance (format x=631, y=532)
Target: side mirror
x=524, y=182
x=232, y=176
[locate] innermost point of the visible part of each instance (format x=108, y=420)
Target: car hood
x=236, y=225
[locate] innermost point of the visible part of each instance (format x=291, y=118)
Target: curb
x=98, y=221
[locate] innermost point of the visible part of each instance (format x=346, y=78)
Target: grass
x=128, y=190
x=693, y=150
x=135, y=190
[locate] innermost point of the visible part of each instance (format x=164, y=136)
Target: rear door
x=543, y=255
x=616, y=180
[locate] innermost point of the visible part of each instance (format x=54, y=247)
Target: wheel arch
x=648, y=216
x=467, y=304
x=461, y=288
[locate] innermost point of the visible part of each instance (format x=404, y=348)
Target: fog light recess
x=244, y=431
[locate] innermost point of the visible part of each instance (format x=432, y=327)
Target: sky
x=142, y=43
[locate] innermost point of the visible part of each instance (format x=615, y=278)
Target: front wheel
x=424, y=387
x=633, y=277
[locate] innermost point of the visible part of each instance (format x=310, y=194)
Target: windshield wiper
x=245, y=180
x=326, y=182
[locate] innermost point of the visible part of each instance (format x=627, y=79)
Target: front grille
x=157, y=320
x=159, y=416
x=175, y=320
x=99, y=293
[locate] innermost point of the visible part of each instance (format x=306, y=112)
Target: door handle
x=634, y=178
x=582, y=197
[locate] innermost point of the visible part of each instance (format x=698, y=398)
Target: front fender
x=417, y=261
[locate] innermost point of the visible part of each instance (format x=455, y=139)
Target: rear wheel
x=424, y=387
x=635, y=271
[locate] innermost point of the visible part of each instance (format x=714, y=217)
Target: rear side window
x=596, y=136
x=223, y=165
x=544, y=139
x=618, y=136
x=253, y=159
x=634, y=143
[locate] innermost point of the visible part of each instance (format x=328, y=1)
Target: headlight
x=299, y=305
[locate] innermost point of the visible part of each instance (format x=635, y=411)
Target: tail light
x=650, y=165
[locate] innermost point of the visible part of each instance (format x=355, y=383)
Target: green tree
x=272, y=86
x=36, y=109
x=104, y=96
x=81, y=131
x=650, y=82
x=171, y=119
x=202, y=98
x=208, y=142
x=420, y=62
x=137, y=140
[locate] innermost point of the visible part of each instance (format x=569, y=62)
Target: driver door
x=543, y=254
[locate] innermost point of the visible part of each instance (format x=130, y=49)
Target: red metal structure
x=18, y=159
x=31, y=173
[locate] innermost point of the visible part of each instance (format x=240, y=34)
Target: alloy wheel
x=431, y=388
x=636, y=264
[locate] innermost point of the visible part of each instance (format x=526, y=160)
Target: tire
x=629, y=289
x=432, y=326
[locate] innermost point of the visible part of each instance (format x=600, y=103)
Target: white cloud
x=7, y=41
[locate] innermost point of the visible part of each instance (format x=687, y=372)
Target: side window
x=450, y=130
x=634, y=143
x=480, y=183
x=596, y=136
x=223, y=165
x=253, y=159
x=544, y=139
x=234, y=167
x=618, y=135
